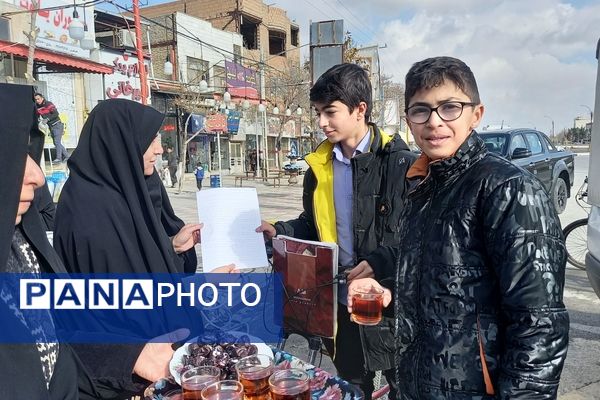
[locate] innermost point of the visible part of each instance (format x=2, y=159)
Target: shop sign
x=233, y=122
x=54, y=26
x=241, y=81
x=124, y=82
x=216, y=123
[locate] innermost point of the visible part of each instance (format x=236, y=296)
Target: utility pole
x=552, y=131
x=140, y=51
x=264, y=119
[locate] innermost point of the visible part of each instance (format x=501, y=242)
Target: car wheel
x=559, y=195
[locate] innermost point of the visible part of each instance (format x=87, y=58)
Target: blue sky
x=534, y=60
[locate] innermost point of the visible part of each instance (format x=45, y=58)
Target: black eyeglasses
x=450, y=111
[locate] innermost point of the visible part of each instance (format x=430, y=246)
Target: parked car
x=592, y=259
x=533, y=151
x=414, y=148
x=299, y=165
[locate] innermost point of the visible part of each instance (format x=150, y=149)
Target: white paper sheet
x=230, y=217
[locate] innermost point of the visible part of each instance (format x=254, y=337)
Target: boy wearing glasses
x=480, y=273
x=352, y=196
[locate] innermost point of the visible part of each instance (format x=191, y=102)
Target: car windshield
x=496, y=142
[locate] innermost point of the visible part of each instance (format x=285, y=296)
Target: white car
x=299, y=165
x=592, y=259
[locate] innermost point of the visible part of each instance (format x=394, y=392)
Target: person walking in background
x=172, y=164
x=481, y=260
x=47, y=110
x=199, y=175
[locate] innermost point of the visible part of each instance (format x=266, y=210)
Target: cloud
x=532, y=58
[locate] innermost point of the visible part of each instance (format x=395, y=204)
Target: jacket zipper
x=418, y=301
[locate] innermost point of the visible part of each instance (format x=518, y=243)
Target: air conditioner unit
x=120, y=38
x=127, y=38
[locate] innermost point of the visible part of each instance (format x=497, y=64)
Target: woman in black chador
x=38, y=367
x=114, y=215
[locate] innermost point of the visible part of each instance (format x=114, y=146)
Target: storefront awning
x=73, y=64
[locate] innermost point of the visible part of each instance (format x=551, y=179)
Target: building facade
x=263, y=28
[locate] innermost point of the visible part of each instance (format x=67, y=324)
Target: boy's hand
x=387, y=294
x=362, y=270
x=225, y=269
x=267, y=229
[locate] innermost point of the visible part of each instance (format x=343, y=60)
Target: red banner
x=216, y=123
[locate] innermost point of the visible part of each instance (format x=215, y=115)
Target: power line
x=337, y=11
x=357, y=19
x=54, y=8
x=217, y=49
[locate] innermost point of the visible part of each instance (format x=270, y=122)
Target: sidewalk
x=276, y=203
x=591, y=391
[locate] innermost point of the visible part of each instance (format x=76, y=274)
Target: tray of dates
x=224, y=353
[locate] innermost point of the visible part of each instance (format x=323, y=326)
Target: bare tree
x=393, y=97
x=288, y=88
x=32, y=37
x=350, y=52
x=192, y=101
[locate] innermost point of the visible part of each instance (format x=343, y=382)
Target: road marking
x=589, y=297
x=585, y=328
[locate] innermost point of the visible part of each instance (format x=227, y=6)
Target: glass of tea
x=367, y=303
x=224, y=390
x=195, y=379
x=176, y=394
x=254, y=372
x=290, y=384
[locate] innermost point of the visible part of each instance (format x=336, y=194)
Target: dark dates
x=222, y=355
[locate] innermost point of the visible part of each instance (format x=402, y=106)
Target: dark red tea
x=366, y=308
x=256, y=389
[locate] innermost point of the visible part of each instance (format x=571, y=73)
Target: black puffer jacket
x=482, y=259
x=379, y=186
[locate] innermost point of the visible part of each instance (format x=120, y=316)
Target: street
x=581, y=375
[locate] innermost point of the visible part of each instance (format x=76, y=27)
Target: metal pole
x=219, y=154
x=264, y=116
x=257, y=146
x=140, y=52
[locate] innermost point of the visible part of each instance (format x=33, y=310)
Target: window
x=249, y=32
x=196, y=69
x=534, y=143
x=276, y=43
x=218, y=78
x=517, y=142
x=237, y=54
x=495, y=143
x=4, y=28
x=549, y=144
x=294, y=34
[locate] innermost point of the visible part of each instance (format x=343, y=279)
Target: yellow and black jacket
x=378, y=191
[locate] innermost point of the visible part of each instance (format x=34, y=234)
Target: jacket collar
x=324, y=152
x=470, y=152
